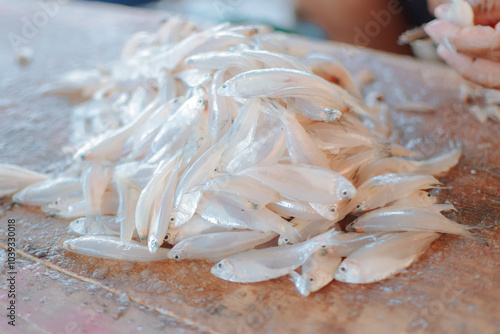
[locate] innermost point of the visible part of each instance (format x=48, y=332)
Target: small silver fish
x=393, y=219
x=47, y=191
x=304, y=183
x=382, y=189
x=110, y=247
x=219, y=245
x=14, y=178
x=385, y=257
x=268, y=263
x=318, y=270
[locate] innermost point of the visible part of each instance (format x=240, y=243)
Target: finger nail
x=449, y=45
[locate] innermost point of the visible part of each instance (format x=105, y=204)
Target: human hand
x=472, y=50
x=486, y=12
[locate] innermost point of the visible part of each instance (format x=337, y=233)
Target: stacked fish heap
x=235, y=145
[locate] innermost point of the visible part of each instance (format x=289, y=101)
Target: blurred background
x=370, y=23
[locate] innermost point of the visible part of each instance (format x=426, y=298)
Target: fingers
x=438, y=30
x=482, y=71
x=486, y=12
x=459, y=12
x=475, y=41
x=440, y=11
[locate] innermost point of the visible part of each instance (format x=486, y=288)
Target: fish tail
x=480, y=227
x=327, y=238
x=475, y=237
x=479, y=238
x=444, y=207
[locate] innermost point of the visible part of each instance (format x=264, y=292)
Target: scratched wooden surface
x=453, y=288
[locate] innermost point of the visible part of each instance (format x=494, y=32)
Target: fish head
x=346, y=190
x=332, y=114
x=282, y=240
x=78, y=226
x=224, y=269
x=58, y=203
x=317, y=280
x=19, y=197
x=427, y=197
x=175, y=254
x=360, y=207
x=199, y=101
x=331, y=213
x=348, y=272
x=351, y=227
x=192, y=60
x=154, y=243
x=50, y=209
x=176, y=102
x=170, y=238
x=227, y=88
x=202, y=103
x=70, y=245
x=85, y=151
x=171, y=220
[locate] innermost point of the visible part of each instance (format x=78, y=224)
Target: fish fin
x=444, y=207
x=480, y=227
x=478, y=237
x=481, y=240
x=475, y=237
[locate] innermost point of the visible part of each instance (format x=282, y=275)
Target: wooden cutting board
x=453, y=288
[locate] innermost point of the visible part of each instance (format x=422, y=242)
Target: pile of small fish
x=235, y=145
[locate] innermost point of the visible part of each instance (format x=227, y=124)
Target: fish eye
x=166, y=237
x=342, y=269
x=332, y=209
x=224, y=86
x=286, y=240
x=177, y=257
x=311, y=279
x=429, y=195
x=200, y=101
x=172, y=219
x=358, y=206
x=219, y=265
x=344, y=193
